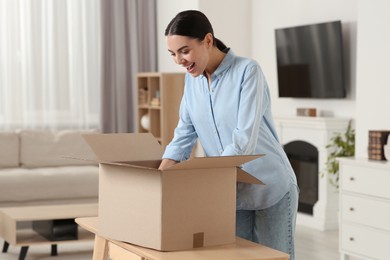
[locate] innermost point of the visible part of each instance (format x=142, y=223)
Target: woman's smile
x=190, y=68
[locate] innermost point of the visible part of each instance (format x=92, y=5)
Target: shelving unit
x=159, y=97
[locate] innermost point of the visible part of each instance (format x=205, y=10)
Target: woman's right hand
x=166, y=163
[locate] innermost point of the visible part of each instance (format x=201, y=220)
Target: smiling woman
x=226, y=106
x=49, y=64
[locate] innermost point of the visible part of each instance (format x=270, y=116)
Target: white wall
x=269, y=15
x=373, y=70
x=230, y=19
x=166, y=10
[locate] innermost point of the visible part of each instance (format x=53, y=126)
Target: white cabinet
x=364, y=208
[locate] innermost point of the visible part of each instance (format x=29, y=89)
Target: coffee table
x=16, y=224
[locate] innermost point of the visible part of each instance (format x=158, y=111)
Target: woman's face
x=190, y=53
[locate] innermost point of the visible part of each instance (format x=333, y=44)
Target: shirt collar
x=225, y=64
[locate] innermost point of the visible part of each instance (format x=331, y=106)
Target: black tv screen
x=310, y=61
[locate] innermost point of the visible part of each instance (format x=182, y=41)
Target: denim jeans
x=274, y=226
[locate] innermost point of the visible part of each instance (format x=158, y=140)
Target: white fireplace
x=317, y=131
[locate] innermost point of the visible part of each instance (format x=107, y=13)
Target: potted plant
x=341, y=145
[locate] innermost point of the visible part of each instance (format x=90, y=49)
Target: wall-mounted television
x=310, y=61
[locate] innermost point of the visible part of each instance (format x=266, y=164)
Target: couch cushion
x=9, y=150
x=40, y=148
x=49, y=183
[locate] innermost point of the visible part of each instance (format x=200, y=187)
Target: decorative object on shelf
x=341, y=145
x=145, y=122
x=143, y=96
x=376, y=141
x=386, y=149
x=307, y=112
x=156, y=100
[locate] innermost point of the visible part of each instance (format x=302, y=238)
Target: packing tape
x=198, y=239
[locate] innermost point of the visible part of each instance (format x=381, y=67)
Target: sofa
x=37, y=167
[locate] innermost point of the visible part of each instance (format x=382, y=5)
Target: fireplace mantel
x=317, y=131
x=312, y=122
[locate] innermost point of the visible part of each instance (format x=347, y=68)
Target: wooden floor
x=311, y=244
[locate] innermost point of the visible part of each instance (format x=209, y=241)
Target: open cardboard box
x=191, y=204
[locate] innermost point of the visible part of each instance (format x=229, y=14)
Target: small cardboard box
x=191, y=204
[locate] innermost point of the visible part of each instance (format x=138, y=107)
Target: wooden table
x=116, y=250
x=16, y=224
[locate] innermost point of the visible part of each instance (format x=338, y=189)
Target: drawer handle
x=351, y=209
x=351, y=239
x=351, y=178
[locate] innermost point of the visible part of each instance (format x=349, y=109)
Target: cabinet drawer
x=365, y=180
x=365, y=241
x=366, y=211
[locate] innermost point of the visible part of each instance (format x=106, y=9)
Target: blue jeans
x=274, y=226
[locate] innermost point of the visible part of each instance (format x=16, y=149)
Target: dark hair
x=194, y=24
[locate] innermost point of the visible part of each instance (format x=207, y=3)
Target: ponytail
x=220, y=45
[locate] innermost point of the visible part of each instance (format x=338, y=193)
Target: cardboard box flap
x=214, y=162
x=243, y=176
x=124, y=147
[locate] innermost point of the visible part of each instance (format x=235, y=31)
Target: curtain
x=129, y=46
x=50, y=56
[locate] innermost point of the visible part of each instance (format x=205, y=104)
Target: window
x=50, y=57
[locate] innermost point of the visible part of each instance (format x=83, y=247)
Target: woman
x=226, y=105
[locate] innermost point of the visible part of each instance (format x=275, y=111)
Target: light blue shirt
x=234, y=117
